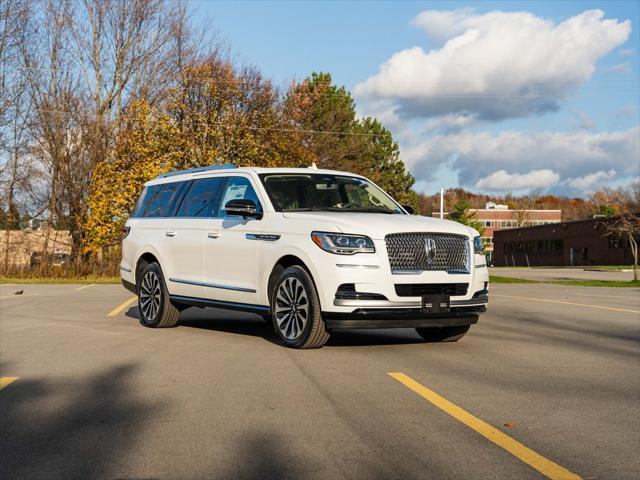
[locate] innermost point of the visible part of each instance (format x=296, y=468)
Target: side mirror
x=409, y=209
x=242, y=207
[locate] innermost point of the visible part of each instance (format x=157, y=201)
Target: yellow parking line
x=121, y=307
x=544, y=300
x=86, y=286
x=4, y=381
x=543, y=465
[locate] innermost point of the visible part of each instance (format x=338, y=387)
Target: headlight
x=477, y=245
x=343, y=244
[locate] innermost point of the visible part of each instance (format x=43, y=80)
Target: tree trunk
x=6, y=246
x=634, y=252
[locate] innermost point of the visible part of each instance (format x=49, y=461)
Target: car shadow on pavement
x=253, y=325
x=79, y=427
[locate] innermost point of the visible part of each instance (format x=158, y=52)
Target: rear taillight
x=125, y=232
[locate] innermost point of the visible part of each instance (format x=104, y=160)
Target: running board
x=205, y=302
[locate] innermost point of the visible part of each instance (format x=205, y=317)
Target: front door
x=231, y=253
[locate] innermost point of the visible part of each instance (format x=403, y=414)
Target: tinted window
x=157, y=200
x=203, y=199
x=144, y=198
x=239, y=188
x=324, y=192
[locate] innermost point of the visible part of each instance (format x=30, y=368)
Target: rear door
x=150, y=217
x=231, y=250
x=185, y=234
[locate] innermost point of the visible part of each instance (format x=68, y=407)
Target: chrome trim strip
x=263, y=237
x=128, y=270
x=338, y=302
x=213, y=285
x=350, y=265
x=420, y=272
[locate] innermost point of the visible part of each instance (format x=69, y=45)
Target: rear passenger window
x=203, y=199
x=157, y=201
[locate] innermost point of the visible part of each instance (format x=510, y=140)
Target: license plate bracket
x=436, y=303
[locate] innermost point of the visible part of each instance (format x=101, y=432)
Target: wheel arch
x=284, y=262
x=144, y=258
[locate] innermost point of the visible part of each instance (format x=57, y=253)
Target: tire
x=156, y=310
x=296, y=310
x=443, y=334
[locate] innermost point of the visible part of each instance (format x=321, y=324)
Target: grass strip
x=47, y=280
x=574, y=283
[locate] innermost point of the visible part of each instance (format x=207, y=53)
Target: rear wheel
x=156, y=310
x=443, y=334
x=296, y=310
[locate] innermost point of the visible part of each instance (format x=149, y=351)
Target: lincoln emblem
x=430, y=248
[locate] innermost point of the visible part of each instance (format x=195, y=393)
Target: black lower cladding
x=205, y=302
x=402, y=318
x=419, y=289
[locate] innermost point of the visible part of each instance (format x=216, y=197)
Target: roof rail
x=196, y=169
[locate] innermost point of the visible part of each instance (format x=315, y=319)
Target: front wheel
x=296, y=310
x=443, y=334
x=156, y=309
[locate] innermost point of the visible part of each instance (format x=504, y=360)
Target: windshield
x=320, y=192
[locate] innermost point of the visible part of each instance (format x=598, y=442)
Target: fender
x=272, y=256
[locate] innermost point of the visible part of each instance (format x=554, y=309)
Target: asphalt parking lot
x=546, y=385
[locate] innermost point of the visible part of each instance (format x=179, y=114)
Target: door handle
x=170, y=233
x=213, y=234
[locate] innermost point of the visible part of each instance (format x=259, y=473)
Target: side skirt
x=205, y=302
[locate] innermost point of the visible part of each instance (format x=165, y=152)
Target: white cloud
x=495, y=65
x=582, y=120
x=587, y=183
x=508, y=182
x=570, y=154
x=449, y=123
x=441, y=25
x=624, y=68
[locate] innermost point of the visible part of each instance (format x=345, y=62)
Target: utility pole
x=442, y=203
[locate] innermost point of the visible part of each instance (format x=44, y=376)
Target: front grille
x=419, y=289
x=422, y=251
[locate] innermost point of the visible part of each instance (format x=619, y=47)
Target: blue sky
x=456, y=109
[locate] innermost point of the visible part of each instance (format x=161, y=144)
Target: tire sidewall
x=314, y=305
x=152, y=267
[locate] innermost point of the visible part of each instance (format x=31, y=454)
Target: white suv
x=310, y=250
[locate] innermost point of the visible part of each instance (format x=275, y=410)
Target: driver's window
x=239, y=188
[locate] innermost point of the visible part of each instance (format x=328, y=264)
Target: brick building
x=495, y=217
x=579, y=242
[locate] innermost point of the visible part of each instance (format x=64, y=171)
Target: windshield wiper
x=362, y=210
x=305, y=210
x=338, y=209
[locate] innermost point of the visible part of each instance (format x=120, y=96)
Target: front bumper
x=402, y=318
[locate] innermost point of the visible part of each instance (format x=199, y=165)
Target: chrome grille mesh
x=408, y=252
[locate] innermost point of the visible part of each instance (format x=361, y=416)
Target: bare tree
x=84, y=61
x=626, y=225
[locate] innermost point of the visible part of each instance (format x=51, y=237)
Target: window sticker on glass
x=234, y=192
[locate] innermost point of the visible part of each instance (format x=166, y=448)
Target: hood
x=377, y=225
